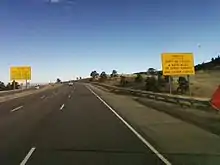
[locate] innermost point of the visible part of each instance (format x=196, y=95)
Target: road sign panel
x=20, y=73
x=177, y=64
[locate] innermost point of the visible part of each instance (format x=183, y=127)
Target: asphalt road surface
x=67, y=125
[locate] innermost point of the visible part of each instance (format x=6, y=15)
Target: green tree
x=9, y=86
x=103, y=75
x=151, y=71
x=2, y=86
x=151, y=84
x=58, y=80
x=114, y=73
x=15, y=85
x=94, y=74
x=139, y=78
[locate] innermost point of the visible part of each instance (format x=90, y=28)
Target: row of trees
x=155, y=81
x=151, y=82
x=9, y=86
x=151, y=71
x=95, y=75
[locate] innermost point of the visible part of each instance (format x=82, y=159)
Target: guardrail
x=177, y=99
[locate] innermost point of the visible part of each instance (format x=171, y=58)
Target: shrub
x=139, y=78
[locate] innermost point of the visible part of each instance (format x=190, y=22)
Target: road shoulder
x=180, y=141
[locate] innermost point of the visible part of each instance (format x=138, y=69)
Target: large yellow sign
x=177, y=64
x=20, y=73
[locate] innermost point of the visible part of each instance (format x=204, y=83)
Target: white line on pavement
x=42, y=97
x=62, y=107
x=28, y=156
x=15, y=109
x=133, y=130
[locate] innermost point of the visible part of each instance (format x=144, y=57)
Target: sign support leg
x=13, y=84
x=188, y=79
x=170, y=85
x=26, y=83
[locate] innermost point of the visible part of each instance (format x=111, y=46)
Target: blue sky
x=69, y=38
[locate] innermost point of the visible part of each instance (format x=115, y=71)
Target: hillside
x=202, y=84
x=214, y=64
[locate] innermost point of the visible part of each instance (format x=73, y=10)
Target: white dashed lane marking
x=62, y=107
x=16, y=109
x=24, y=161
x=42, y=97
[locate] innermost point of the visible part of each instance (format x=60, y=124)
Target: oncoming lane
x=20, y=121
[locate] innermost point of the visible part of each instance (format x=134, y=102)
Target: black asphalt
x=84, y=132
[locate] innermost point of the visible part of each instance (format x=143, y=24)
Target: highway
x=68, y=125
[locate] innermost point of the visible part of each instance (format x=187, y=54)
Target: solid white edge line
x=15, y=109
x=28, y=156
x=62, y=107
x=133, y=130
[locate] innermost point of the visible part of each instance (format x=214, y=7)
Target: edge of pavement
x=208, y=120
x=179, y=141
x=26, y=93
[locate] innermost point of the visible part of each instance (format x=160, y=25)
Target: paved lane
x=87, y=132
x=11, y=104
x=68, y=125
x=17, y=128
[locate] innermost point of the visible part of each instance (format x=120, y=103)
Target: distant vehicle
x=70, y=83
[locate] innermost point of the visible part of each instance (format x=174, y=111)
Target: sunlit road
x=67, y=125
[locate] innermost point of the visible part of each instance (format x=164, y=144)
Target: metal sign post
x=26, y=83
x=188, y=79
x=13, y=82
x=170, y=84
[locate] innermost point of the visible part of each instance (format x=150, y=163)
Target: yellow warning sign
x=177, y=64
x=20, y=73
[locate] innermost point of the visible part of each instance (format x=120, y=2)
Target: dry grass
x=203, y=84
